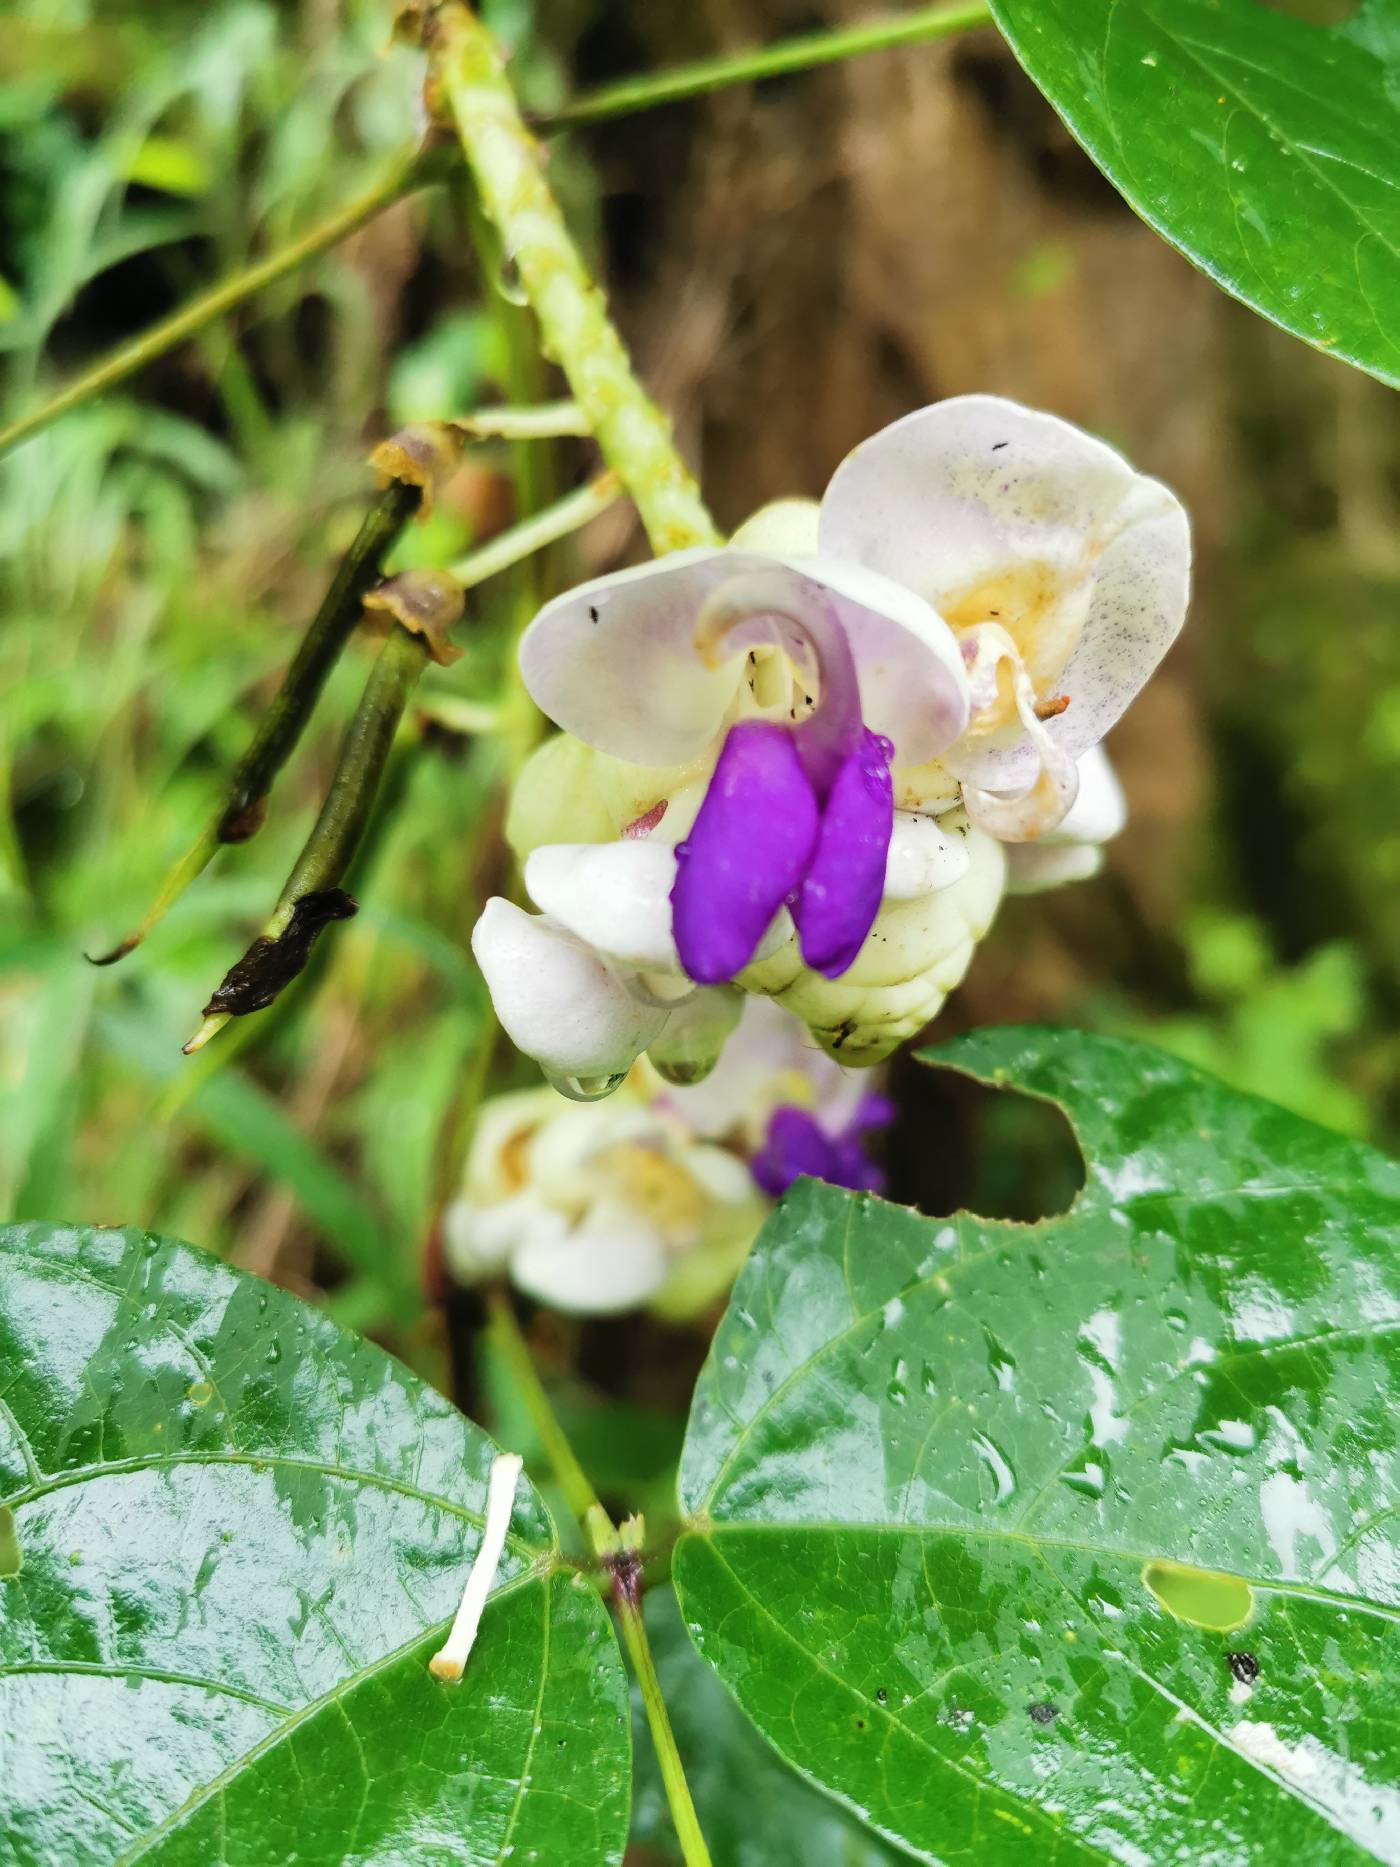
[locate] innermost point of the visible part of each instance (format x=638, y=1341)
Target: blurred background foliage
x=795, y=264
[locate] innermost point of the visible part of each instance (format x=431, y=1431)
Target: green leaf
x=11, y=1555
x=1265, y=149
x=754, y=1811
x=977, y=1507
x=244, y=1534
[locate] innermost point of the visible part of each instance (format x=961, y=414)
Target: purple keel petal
x=746, y=853
x=842, y=889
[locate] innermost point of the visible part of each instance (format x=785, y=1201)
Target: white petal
x=561, y=1156
x=1072, y=851
x=923, y=857
x=913, y=687
x=479, y=1239
x=786, y=527
x=978, y=492
x=1100, y=810
x=616, y=896
x=613, y=662
x=717, y=1172
x=1032, y=868
x=613, y=1261
x=557, y=1000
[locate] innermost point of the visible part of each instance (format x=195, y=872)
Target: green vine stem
x=312, y=896
x=919, y=27
x=627, y=1601
x=545, y=527
x=410, y=170
x=507, y=166
x=617, y=1549
x=546, y=421
x=510, y=1344
x=281, y=727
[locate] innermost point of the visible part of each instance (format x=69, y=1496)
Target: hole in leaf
x=1218, y=1603
x=11, y=1556
x=962, y=1146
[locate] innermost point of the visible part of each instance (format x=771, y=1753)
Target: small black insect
x=1244, y=1666
x=998, y=445
x=592, y=612
x=1044, y=1714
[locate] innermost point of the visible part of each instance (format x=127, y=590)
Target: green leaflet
x=930, y=1462
x=755, y=1812
x=1266, y=149
x=243, y=1535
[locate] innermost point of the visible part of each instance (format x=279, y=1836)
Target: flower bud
x=559, y=1002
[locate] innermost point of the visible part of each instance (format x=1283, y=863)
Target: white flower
x=809, y=744
x=600, y=1209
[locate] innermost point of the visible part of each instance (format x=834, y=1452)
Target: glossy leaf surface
x=754, y=1811
x=1265, y=148
x=1077, y=1538
x=243, y=1533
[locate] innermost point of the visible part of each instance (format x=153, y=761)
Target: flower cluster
x=655, y=1197
x=809, y=763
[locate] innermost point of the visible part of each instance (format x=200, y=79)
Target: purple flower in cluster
x=797, y=1146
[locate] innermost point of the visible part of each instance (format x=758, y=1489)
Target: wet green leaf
x=1265, y=148
x=244, y=1534
x=754, y=1811
x=11, y=1555
x=952, y=1480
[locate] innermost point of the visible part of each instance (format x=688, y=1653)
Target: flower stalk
x=507, y=166
x=546, y=527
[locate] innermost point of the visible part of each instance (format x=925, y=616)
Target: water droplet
x=996, y=1462
x=1089, y=1477
x=200, y=1393
x=274, y=1355
x=585, y=1088
x=507, y=281
x=928, y=1380
x=1000, y=1363
x=1229, y=1436
x=682, y=1075
x=1200, y=1596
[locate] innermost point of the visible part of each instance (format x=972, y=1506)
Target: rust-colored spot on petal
x=647, y=822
